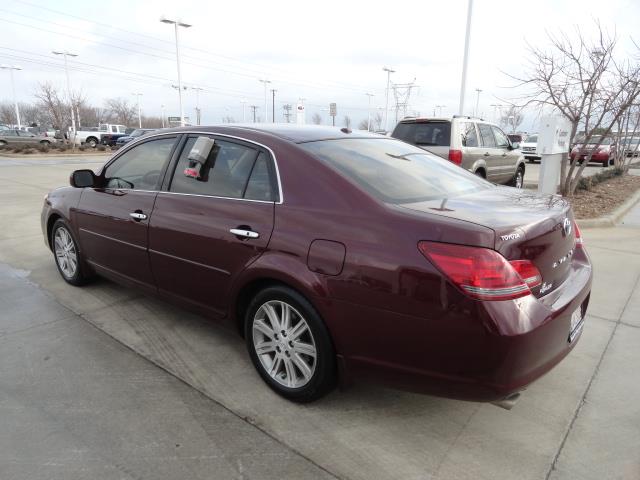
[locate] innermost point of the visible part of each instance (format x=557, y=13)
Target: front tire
x=92, y=142
x=289, y=345
x=67, y=255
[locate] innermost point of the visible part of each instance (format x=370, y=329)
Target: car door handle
x=244, y=233
x=486, y=154
x=137, y=216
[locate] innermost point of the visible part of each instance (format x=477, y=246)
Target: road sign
x=333, y=109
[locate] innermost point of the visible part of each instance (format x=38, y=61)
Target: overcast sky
x=329, y=51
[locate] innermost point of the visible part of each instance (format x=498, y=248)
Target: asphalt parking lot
x=102, y=382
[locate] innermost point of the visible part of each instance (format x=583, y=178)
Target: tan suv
x=472, y=143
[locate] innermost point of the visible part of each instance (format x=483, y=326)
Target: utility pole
x=265, y=82
x=463, y=81
x=478, y=92
x=66, y=54
x=273, y=105
x=386, y=109
x=176, y=24
x=162, y=112
x=369, y=111
x=198, y=90
x=11, y=68
x=402, y=93
x=253, y=109
x=138, y=94
x=244, y=104
x=287, y=111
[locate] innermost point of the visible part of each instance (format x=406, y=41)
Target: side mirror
x=515, y=145
x=82, y=179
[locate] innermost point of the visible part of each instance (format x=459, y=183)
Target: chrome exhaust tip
x=508, y=402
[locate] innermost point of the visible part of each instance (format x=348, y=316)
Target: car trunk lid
x=539, y=228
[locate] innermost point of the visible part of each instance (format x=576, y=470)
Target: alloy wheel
x=284, y=344
x=65, y=250
x=519, y=179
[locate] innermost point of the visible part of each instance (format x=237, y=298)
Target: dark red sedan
x=338, y=255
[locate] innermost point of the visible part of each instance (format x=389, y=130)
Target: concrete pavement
x=579, y=421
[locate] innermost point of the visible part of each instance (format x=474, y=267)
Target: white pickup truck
x=92, y=136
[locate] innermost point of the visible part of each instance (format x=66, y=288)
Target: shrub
x=43, y=147
x=28, y=150
x=101, y=148
x=82, y=148
x=587, y=183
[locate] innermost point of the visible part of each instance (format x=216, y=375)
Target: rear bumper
x=480, y=351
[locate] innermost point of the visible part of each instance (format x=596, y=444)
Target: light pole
x=11, y=68
x=176, y=24
x=369, y=111
x=66, y=54
x=244, y=116
x=198, y=90
x=138, y=94
x=266, y=108
x=463, y=81
x=386, y=108
x=162, y=111
x=273, y=105
x=478, y=92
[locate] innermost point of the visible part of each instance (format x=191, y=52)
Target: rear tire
x=45, y=142
x=2, y=143
x=289, y=345
x=68, y=258
x=518, y=178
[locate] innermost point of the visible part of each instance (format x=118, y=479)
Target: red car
x=338, y=255
x=604, y=153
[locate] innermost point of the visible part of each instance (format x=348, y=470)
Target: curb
x=18, y=156
x=611, y=219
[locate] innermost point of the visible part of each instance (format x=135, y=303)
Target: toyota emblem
x=566, y=227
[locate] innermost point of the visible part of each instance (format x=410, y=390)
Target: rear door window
x=427, y=133
x=488, y=140
x=230, y=170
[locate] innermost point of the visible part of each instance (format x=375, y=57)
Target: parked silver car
x=14, y=137
x=472, y=143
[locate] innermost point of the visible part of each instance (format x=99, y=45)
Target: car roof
x=290, y=132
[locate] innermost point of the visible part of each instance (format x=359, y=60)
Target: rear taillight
x=455, y=156
x=579, y=242
x=528, y=272
x=481, y=273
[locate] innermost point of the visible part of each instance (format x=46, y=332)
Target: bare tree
x=122, y=112
x=316, y=119
x=55, y=110
x=583, y=81
x=364, y=125
x=377, y=121
x=347, y=121
x=511, y=118
x=7, y=113
x=228, y=119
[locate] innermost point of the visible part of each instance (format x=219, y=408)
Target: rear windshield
x=435, y=134
x=395, y=172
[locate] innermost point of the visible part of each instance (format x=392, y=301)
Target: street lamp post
x=369, y=111
x=463, y=81
x=244, y=116
x=176, y=24
x=478, y=92
x=66, y=54
x=198, y=90
x=386, y=108
x=273, y=105
x=11, y=68
x=266, y=108
x=162, y=112
x=137, y=94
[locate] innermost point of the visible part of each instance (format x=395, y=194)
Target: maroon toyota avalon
x=338, y=255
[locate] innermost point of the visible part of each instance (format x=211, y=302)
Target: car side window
x=9, y=133
x=501, y=139
x=140, y=167
x=224, y=173
x=488, y=140
x=469, y=134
